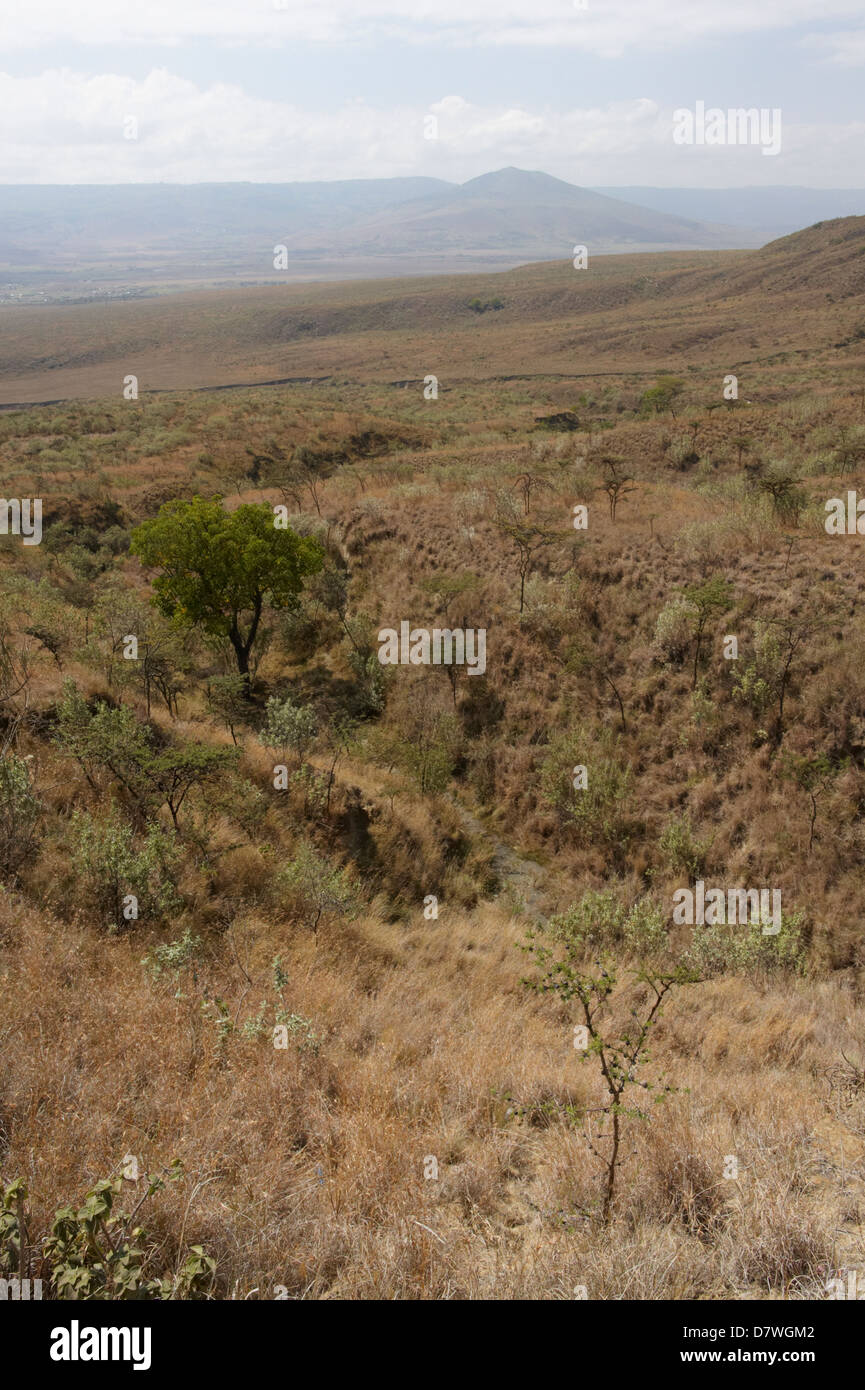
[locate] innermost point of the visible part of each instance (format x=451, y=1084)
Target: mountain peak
x=512, y=181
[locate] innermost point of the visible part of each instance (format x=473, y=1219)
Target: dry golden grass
x=308, y=1170
x=305, y=1166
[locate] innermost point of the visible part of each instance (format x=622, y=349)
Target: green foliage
x=112, y=739
x=228, y=701
x=361, y=651
x=684, y=620
x=757, y=683
x=599, y=812
x=446, y=587
x=95, y=1252
x=558, y=952
x=288, y=727
x=674, y=631
x=602, y=922
x=111, y=863
x=300, y=1029
x=218, y=568
x=704, y=726
x=662, y=396
x=709, y=597
x=743, y=949
x=315, y=889
x=20, y=812
x=778, y=481
x=814, y=776
x=174, y=772
x=173, y=956
x=811, y=774
x=108, y=737
x=162, y=658
x=429, y=757
x=682, y=851
x=480, y=306
x=426, y=751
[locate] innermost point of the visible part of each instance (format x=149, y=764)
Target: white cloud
x=845, y=48
x=69, y=128
x=607, y=27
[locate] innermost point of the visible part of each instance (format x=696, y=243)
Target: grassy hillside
x=798, y=300
x=430, y=1129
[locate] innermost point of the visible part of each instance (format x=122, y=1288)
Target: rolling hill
x=85, y=242
x=802, y=295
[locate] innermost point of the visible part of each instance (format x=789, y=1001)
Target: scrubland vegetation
x=331, y=1090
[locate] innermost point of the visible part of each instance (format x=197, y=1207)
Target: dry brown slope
x=642, y=313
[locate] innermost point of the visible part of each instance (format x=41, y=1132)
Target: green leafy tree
x=765, y=681
x=558, y=950
x=114, y=740
x=529, y=542
x=779, y=482
x=662, y=396
x=600, y=811
x=219, y=569
x=814, y=776
x=446, y=587
x=318, y=888
x=227, y=701
x=616, y=482
x=709, y=598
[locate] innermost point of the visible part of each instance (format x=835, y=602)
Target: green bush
x=674, y=631
x=111, y=868
x=95, y=1253
x=602, y=922
x=743, y=949
x=598, y=812
x=288, y=727
x=682, y=851
x=20, y=811
x=315, y=889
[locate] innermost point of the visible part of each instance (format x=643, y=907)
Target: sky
x=190, y=91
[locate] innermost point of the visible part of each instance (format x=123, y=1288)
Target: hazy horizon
x=218, y=93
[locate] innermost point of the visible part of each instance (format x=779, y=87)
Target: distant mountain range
x=120, y=241
x=768, y=212
x=514, y=213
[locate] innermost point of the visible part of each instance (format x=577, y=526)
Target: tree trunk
x=611, y=1170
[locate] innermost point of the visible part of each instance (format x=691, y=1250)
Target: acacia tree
x=778, y=482
x=765, y=681
x=526, y=484
x=447, y=588
x=616, y=482
x=662, y=396
x=113, y=740
x=708, y=599
x=814, y=776
x=219, y=569
x=558, y=950
x=529, y=540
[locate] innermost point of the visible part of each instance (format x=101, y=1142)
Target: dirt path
x=526, y=878
x=539, y=888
